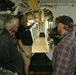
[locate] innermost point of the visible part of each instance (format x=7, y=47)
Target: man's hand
x=27, y=54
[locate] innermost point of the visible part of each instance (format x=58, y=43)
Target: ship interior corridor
x=39, y=45
x=41, y=61
x=42, y=14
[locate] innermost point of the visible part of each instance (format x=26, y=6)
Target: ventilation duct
x=33, y=4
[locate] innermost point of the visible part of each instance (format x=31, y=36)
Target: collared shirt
x=64, y=56
x=24, y=34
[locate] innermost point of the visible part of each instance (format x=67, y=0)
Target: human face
x=24, y=20
x=15, y=27
x=60, y=27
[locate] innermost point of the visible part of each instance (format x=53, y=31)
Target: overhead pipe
x=40, y=3
x=33, y=4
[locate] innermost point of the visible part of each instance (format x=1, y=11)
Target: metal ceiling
x=24, y=6
x=56, y=1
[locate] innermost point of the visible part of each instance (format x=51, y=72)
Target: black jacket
x=10, y=58
x=54, y=33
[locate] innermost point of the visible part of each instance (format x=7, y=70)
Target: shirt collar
x=66, y=33
x=6, y=32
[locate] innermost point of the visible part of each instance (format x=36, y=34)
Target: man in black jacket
x=54, y=34
x=10, y=58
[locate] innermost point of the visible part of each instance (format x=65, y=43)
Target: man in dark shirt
x=10, y=58
x=25, y=41
x=54, y=33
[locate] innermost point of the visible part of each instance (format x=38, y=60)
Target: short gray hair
x=10, y=21
x=67, y=21
x=68, y=28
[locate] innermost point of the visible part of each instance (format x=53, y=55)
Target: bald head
x=23, y=19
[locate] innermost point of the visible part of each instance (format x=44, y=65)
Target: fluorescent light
x=51, y=22
x=31, y=21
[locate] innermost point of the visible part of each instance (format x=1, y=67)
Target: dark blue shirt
x=24, y=34
x=53, y=35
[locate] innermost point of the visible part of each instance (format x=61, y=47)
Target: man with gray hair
x=10, y=58
x=64, y=55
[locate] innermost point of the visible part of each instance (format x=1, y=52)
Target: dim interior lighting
x=28, y=23
x=51, y=22
x=36, y=23
x=37, y=19
x=31, y=21
x=5, y=12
